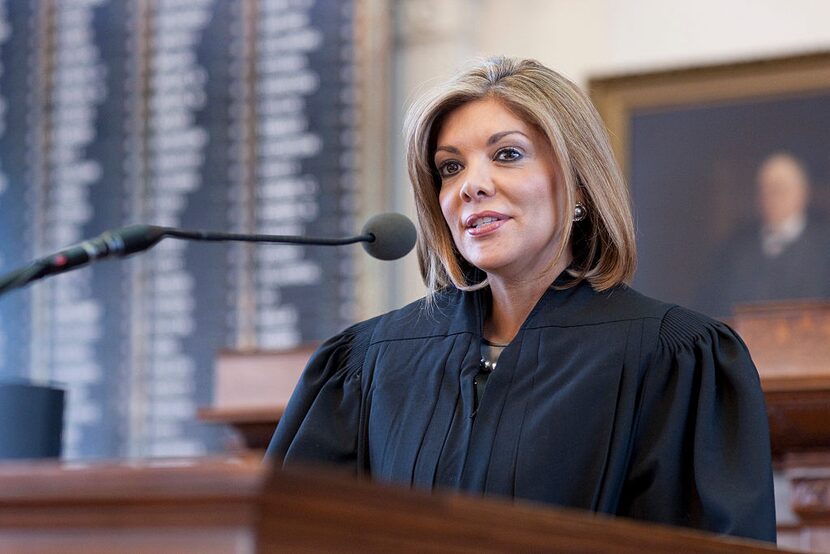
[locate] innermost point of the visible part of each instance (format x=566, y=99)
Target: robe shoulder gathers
x=605, y=401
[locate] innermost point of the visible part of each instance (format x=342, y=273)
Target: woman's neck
x=513, y=300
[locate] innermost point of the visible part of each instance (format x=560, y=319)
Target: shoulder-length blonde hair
x=602, y=244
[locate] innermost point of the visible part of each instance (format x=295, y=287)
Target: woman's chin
x=492, y=268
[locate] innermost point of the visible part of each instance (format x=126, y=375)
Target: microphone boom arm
x=212, y=236
x=385, y=236
x=46, y=266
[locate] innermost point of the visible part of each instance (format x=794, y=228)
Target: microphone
x=386, y=236
x=393, y=236
x=120, y=242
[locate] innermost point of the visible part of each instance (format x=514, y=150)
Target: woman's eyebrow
x=450, y=149
x=490, y=141
x=498, y=136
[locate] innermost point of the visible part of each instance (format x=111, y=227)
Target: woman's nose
x=478, y=184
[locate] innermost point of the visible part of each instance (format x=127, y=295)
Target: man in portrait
x=785, y=254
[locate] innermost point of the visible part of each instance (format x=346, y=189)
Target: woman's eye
x=508, y=155
x=449, y=168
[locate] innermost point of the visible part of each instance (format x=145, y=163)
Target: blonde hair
x=603, y=245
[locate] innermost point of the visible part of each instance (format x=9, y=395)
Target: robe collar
x=557, y=304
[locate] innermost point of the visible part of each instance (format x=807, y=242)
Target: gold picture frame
x=616, y=97
x=691, y=142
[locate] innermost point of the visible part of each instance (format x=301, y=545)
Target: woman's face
x=498, y=190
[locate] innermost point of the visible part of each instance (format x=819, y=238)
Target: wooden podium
x=790, y=344
x=242, y=506
x=252, y=388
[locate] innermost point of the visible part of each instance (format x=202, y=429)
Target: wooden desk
x=790, y=344
x=165, y=507
x=233, y=505
x=255, y=425
x=252, y=388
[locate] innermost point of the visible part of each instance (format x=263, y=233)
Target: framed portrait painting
x=729, y=169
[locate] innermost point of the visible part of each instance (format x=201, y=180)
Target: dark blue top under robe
x=611, y=402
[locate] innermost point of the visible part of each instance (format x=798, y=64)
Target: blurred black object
x=31, y=420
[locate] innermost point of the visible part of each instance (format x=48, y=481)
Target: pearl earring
x=580, y=212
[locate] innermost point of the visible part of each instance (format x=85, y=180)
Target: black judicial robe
x=611, y=402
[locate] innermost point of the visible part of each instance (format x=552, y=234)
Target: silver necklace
x=486, y=365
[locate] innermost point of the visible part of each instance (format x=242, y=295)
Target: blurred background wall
x=258, y=116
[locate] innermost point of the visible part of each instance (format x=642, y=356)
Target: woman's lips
x=481, y=224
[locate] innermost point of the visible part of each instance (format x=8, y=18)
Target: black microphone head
x=394, y=236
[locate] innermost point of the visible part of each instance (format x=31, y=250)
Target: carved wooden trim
x=811, y=498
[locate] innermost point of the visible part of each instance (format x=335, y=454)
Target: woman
x=531, y=370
